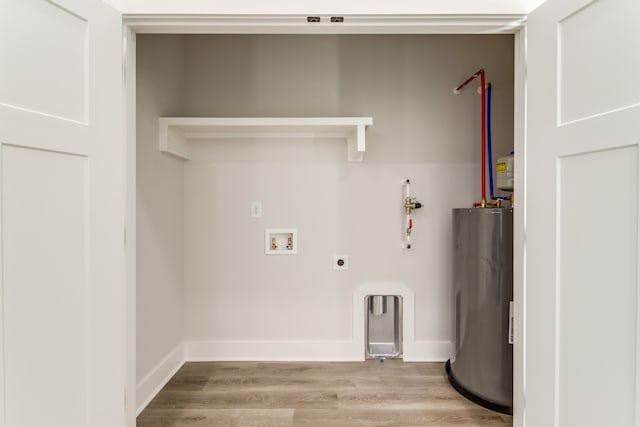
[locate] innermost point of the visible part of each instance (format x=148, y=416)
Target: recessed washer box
x=281, y=241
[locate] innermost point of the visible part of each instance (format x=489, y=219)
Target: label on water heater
x=504, y=173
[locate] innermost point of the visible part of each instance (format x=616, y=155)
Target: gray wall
x=421, y=131
x=233, y=293
x=160, y=267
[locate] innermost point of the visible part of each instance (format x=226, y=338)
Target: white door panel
x=45, y=286
x=582, y=214
x=594, y=74
x=596, y=287
x=62, y=336
x=48, y=67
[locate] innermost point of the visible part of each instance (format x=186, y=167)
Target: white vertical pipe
x=407, y=236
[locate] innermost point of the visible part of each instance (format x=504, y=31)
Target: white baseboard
x=292, y=351
x=428, y=351
x=298, y=351
x=159, y=376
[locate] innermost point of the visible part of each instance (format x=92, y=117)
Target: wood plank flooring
x=311, y=394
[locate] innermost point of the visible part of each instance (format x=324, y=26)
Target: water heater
x=482, y=368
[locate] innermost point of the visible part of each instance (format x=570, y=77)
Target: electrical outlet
x=256, y=209
x=341, y=262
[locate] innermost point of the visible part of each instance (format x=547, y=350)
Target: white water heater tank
x=504, y=173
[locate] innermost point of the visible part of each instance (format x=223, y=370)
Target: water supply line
x=495, y=200
x=410, y=203
x=457, y=90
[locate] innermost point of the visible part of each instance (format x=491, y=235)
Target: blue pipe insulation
x=489, y=151
x=490, y=155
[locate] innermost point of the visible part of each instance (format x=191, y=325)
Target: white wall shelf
x=176, y=132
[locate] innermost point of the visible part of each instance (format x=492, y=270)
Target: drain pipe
x=457, y=90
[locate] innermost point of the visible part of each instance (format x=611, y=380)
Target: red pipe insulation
x=483, y=115
x=484, y=136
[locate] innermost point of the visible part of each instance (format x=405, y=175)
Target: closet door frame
x=297, y=24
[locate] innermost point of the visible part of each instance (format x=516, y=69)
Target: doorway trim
x=297, y=24
x=353, y=24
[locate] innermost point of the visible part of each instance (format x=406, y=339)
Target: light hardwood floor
x=247, y=394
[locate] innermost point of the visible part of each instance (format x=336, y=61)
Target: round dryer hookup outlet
x=341, y=262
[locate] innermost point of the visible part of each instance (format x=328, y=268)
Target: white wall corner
x=149, y=386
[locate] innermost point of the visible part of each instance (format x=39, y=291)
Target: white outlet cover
x=256, y=209
x=345, y=262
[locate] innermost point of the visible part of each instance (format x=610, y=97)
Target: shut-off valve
x=410, y=204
